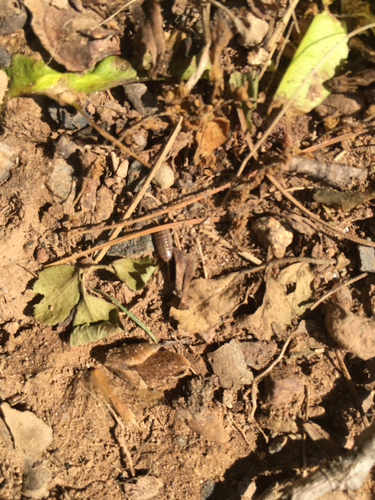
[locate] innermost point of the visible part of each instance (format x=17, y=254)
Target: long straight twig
x=314, y=217
x=144, y=188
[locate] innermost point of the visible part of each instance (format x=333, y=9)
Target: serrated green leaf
x=93, y=309
x=32, y=76
x=60, y=287
x=323, y=34
x=90, y=333
x=135, y=272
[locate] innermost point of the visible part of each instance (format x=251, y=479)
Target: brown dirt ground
x=42, y=373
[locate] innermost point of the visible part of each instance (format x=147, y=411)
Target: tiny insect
x=164, y=244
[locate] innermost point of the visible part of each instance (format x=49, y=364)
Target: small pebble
x=367, y=259
x=164, y=178
x=41, y=255
x=277, y=444
x=272, y=233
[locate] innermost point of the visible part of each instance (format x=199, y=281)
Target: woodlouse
x=164, y=244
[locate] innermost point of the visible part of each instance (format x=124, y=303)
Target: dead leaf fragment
x=209, y=301
x=214, y=133
x=62, y=32
x=278, y=307
x=351, y=332
x=199, y=417
x=229, y=365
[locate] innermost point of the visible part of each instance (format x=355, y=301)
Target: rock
x=367, y=259
x=61, y=179
x=67, y=117
x=282, y=390
x=274, y=234
x=141, y=98
x=351, y=332
x=337, y=105
x=164, y=177
x=10, y=149
x=13, y=16
x=30, y=434
x=229, y=365
x=35, y=481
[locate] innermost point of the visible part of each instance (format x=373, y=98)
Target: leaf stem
x=134, y=318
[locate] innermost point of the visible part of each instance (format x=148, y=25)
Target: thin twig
x=144, y=188
x=334, y=290
x=314, y=217
x=154, y=215
x=275, y=38
x=115, y=13
x=127, y=237
x=352, y=388
x=205, y=56
x=258, y=378
x=122, y=440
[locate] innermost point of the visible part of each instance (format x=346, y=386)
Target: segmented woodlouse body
x=164, y=244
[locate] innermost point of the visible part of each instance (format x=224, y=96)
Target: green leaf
x=183, y=68
x=135, y=272
x=131, y=316
x=90, y=333
x=32, y=76
x=323, y=34
x=60, y=286
x=93, y=309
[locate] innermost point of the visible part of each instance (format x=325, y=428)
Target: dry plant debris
x=156, y=118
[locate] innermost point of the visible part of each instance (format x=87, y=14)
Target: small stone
x=164, y=178
x=277, y=444
x=67, y=117
x=180, y=441
x=367, y=259
x=10, y=149
x=259, y=353
x=41, y=255
x=122, y=170
x=229, y=365
x=61, y=179
x=141, y=98
x=337, y=105
x=274, y=234
x=283, y=390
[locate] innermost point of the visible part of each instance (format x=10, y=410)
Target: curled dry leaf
x=64, y=33
x=209, y=300
x=143, y=363
x=103, y=385
x=351, y=332
x=344, y=200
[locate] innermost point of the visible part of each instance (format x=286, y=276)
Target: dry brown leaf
x=209, y=301
x=185, y=269
x=64, y=34
x=143, y=363
x=213, y=134
x=278, y=308
x=351, y=332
